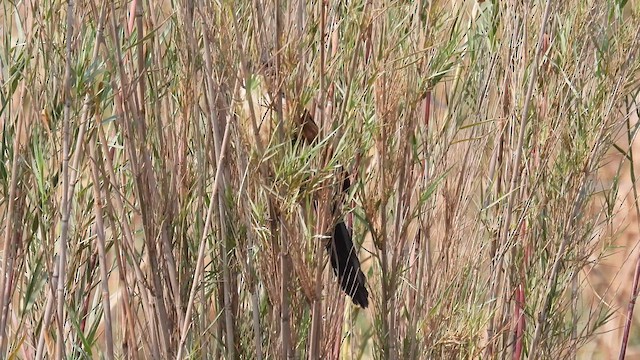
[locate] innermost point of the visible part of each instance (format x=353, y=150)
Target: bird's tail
x=346, y=265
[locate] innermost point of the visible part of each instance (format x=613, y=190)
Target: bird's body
x=345, y=264
x=342, y=252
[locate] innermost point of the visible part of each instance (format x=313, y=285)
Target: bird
x=342, y=253
x=346, y=265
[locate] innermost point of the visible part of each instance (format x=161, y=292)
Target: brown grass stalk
x=102, y=253
x=516, y=173
x=8, y=236
x=635, y=287
x=66, y=207
x=202, y=246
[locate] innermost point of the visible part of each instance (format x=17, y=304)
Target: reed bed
x=153, y=206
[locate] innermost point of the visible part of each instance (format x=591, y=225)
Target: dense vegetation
x=153, y=205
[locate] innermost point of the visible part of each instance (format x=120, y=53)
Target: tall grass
x=153, y=204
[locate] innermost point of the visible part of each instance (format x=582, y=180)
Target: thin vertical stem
x=635, y=289
x=201, y=249
x=515, y=176
x=8, y=228
x=317, y=311
x=102, y=257
x=62, y=241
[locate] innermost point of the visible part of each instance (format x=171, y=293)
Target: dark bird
x=346, y=266
x=342, y=252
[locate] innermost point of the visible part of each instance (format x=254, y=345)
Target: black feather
x=346, y=265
